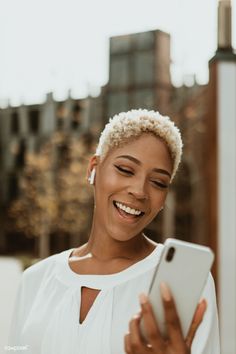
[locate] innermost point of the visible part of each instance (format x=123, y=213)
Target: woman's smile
x=126, y=213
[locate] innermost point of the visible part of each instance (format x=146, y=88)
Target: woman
x=89, y=300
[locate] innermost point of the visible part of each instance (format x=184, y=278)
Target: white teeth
x=128, y=209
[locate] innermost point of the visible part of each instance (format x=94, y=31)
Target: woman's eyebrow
x=133, y=159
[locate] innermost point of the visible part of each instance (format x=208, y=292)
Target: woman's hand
x=175, y=344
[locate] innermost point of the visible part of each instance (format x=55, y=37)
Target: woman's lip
x=129, y=205
x=128, y=219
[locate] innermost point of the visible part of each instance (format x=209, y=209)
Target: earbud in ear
x=92, y=176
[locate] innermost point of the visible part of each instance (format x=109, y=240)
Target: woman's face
x=131, y=185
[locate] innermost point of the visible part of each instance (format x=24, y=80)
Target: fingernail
x=136, y=316
x=143, y=299
x=165, y=292
x=203, y=303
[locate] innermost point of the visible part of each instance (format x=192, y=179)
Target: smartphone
x=184, y=267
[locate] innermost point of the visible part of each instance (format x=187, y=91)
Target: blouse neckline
x=68, y=276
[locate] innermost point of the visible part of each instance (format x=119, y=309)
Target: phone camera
x=170, y=254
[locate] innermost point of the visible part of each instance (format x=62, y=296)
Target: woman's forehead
x=145, y=147
x=141, y=143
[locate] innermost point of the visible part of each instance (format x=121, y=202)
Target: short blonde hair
x=131, y=124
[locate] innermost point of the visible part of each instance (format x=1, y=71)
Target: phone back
x=184, y=267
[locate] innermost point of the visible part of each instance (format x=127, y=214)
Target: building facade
x=24, y=130
x=221, y=174
x=139, y=73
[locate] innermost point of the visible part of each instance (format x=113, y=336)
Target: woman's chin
x=122, y=235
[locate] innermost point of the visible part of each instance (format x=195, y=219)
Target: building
x=24, y=130
x=139, y=73
x=221, y=173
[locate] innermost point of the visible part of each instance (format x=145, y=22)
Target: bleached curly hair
x=131, y=124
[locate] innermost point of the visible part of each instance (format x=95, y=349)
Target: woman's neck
x=104, y=248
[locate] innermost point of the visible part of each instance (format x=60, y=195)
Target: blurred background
x=65, y=68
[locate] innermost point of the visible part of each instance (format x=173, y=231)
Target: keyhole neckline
x=103, y=281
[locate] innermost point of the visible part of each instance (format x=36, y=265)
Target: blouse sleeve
x=206, y=340
x=18, y=316
x=27, y=291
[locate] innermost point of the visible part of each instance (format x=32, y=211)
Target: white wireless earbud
x=92, y=176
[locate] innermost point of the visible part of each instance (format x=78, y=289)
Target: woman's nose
x=138, y=190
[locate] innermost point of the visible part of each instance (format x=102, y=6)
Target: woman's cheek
x=112, y=180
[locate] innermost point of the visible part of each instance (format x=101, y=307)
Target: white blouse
x=46, y=316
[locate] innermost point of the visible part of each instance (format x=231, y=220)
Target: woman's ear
x=93, y=162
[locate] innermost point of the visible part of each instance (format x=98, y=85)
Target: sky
x=61, y=45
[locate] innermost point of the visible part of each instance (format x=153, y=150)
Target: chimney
x=224, y=25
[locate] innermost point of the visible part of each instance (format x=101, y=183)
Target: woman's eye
x=121, y=169
x=160, y=184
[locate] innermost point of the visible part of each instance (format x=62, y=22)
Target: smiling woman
x=84, y=300
x=132, y=178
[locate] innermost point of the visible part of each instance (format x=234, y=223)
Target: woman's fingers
x=172, y=319
x=128, y=349
x=151, y=328
x=133, y=340
x=197, y=319
x=135, y=335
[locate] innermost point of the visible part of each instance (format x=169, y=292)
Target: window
x=20, y=156
x=61, y=115
x=33, y=120
x=76, y=116
x=120, y=44
x=143, y=99
x=119, y=76
x=117, y=102
x=12, y=186
x=14, y=123
x=144, y=40
x=144, y=67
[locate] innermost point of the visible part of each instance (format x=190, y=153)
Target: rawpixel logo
x=16, y=348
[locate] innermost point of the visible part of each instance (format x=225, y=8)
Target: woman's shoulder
x=44, y=267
